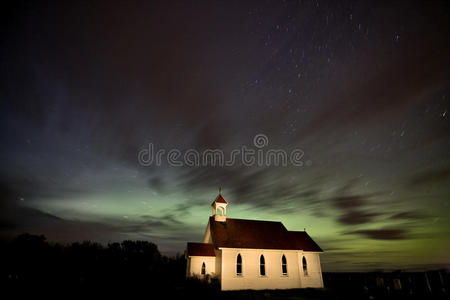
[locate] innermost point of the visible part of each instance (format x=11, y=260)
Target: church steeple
x=219, y=208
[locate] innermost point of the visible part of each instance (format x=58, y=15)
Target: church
x=250, y=254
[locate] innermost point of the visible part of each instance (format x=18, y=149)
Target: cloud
x=355, y=209
x=355, y=217
x=273, y=190
x=166, y=231
x=30, y=186
x=436, y=176
x=245, y=185
x=350, y=202
x=157, y=183
x=408, y=215
x=382, y=234
x=26, y=219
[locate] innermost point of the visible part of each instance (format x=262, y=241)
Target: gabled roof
x=219, y=199
x=302, y=240
x=200, y=249
x=240, y=233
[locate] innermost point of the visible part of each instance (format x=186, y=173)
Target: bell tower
x=219, y=208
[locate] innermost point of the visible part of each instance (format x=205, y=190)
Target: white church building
x=250, y=254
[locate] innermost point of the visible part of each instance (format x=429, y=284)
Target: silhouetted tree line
x=31, y=261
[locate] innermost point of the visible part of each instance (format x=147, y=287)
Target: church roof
x=200, y=249
x=240, y=233
x=220, y=199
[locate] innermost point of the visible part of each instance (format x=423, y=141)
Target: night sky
x=363, y=90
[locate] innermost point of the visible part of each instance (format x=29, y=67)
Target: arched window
x=239, y=265
x=219, y=210
x=203, y=269
x=262, y=266
x=284, y=264
x=305, y=266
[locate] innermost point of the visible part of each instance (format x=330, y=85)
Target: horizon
x=120, y=121
x=177, y=254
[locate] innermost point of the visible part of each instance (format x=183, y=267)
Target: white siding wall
x=195, y=265
x=314, y=277
x=218, y=263
x=274, y=278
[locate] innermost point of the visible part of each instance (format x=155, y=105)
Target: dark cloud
x=436, y=176
x=319, y=213
x=408, y=215
x=184, y=209
x=382, y=234
x=350, y=202
x=355, y=209
x=18, y=217
x=168, y=218
x=167, y=231
x=157, y=183
x=355, y=217
x=14, y=213
x=262, y=188
x=23, y=219
x=244, y=184
x=24, y=184
x=358, y=209
x=312, y=194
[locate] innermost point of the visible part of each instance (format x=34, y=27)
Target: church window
x=239, y=265
x=284, y=264
x=262, y=266
x=305, y=266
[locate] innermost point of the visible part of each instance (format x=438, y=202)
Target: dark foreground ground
x=30, y=266
x=374, y=285
x=350, y=289
x=343, y=286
